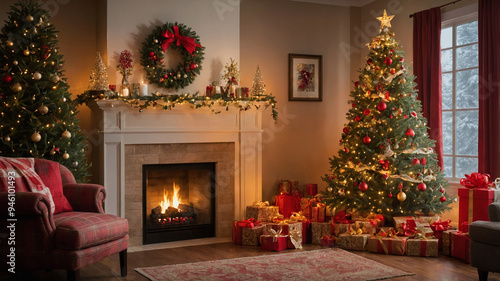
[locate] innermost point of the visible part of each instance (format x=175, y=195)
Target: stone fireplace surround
x=130, y=138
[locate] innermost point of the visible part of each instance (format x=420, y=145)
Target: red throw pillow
x=51, y=177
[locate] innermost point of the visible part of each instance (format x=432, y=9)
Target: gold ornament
x=43, y=109
x=55, y=78
x=52, y=152
x=15, y=62
x=64, y=99
x=26, y=52
x=66, y=134
x=29, y=18
x=36, y=137
x=401, y=196
x=16, y=87
x=10, y=43
x=6, y=139
x=385, y=20
x=75, y=164
x=65, y=156
x=37, y=75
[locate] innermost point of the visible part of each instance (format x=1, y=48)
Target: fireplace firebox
x=178, y=202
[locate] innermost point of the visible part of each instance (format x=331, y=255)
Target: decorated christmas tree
x=258, y=86
x=387, y=164
x=38, y=117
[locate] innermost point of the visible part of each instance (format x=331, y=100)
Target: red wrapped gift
x=320, y=229
x=460, y=246
x=305, y=206
x=439, y=227
x=239, y=225
x=312, y=189
x=318, y=212
x=287, y=204
x=328, y=241
x=306, y=232
x=473, y=203
x=273, y=242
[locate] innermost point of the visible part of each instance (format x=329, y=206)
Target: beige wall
x=307, y=134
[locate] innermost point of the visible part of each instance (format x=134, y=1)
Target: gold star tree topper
x=385, y=20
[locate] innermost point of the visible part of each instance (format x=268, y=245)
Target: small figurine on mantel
x=232, y=77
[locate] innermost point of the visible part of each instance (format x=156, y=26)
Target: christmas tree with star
x=38, y=117
x=387, y=164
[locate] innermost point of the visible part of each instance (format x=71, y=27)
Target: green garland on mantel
x=168, y=102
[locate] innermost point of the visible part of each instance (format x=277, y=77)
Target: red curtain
x=489, y=83
x=427, y=69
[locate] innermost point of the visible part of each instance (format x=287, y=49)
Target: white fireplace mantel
x=122, y=125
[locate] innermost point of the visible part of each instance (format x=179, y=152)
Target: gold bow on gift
x=275, y=234
x=298, y=216
x=296, y=238
x=261, y=204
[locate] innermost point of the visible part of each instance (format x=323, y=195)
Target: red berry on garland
x=7, y=79
x=409, y=132
x=442, y=198
x=367, y=139
x=388, y=61
x=357, y=118
x=381, y=106
x=346, y=130
x=422, y=186
x=366, y=112
x=423, y=161
x=369, y=61
x=390, y=195
x=363, y=186
x=415, y=161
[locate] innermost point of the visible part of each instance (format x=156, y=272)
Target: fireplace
x=178, y=202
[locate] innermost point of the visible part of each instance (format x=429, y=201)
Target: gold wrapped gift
x=262, y=212
x=353, y=242
x=422, y=247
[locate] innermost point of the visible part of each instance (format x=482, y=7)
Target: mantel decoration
x=125, y=67
x=174, y=36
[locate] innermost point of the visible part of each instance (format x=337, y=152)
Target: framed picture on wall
x=305, y=82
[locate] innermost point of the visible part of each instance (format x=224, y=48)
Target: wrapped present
x=250, y=236
x=366, y=227
x=438, y=227
x=327, y=241
x=262, y=212
x=422, y=223
x=305, y=207
x=284, y=227
x=284, y=187
x=473, y=203
x=312, y=189
x=422, y=247
x=295, y=238
x=238, y=229
x=274, y=241
x=460, y=246
x=447, y=240
x=394, y=245
x=318, y=212
x=320, y=229
x=287, y=204
x=353, y=242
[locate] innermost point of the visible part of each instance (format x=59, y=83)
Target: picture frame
x=305, y=82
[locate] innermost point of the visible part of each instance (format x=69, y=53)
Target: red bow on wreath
x=306, y=76
x=188, y=42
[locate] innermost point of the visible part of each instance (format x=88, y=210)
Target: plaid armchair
x=66, y=240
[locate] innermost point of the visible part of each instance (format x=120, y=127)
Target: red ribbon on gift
x=187, y=42
x=249, y=223
x=340, y=217
x=464, y=227
x=440, y=225
x=476, y=180
x=409, y=228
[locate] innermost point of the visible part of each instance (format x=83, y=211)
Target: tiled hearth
x=137, y=155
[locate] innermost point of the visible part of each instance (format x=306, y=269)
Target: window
x=460, y=105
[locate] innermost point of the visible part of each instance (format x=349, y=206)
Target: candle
x=125, y=92
x=144, y=89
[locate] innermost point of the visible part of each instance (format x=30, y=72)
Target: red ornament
x=413, y=114
x=381, y=106
x=193, y=66
x=393, y=70
x=346, y=150
x=44, y=56
x=390, y=195
x=391, y=50
x=7, y=79
x=385, y=176
x=353, y=105
x=442, y=198
x=406, y=116
x=363, y=186
x=441, y=190
x=357, y=118
x=401, y=59
x=423, y=161
x=388, y=61
x=369, y=61
x=151, y=53
x=346, y=130
x=422, y=186
x=356, y=84
x=165, y=76
x=367, y=139
x=400, y=186
x=366, y=112
x=415, y=161
x=409, y=132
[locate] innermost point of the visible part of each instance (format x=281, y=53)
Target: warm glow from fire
x=172, y=201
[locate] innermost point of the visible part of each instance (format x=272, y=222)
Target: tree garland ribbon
x=187, y=42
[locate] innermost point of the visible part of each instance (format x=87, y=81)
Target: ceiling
x=355, y=3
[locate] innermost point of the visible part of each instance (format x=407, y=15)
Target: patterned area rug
x=325, y=264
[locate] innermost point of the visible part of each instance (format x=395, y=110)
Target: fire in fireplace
x=178, y=202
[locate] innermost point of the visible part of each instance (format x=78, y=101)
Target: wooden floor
x=442, y=268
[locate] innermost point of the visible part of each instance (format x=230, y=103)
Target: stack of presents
x=298, y=217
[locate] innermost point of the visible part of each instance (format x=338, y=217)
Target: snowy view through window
x=460, y=87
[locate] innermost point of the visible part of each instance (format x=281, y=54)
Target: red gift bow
x=340, y=217
x=409, y=228
x=440, y=225
x=464, y=227
x=188, y=42
x=376, y=219
x=390, y=232
x=249, y=223
x=476, y=180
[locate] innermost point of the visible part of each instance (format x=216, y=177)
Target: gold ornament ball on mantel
x=66, y=134
x=36, y=137
x=401, y=196
x=43, y=109
x=66, y=156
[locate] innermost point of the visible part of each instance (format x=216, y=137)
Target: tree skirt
x=325, y=264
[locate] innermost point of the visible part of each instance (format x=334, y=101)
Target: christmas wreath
x=178, y=37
